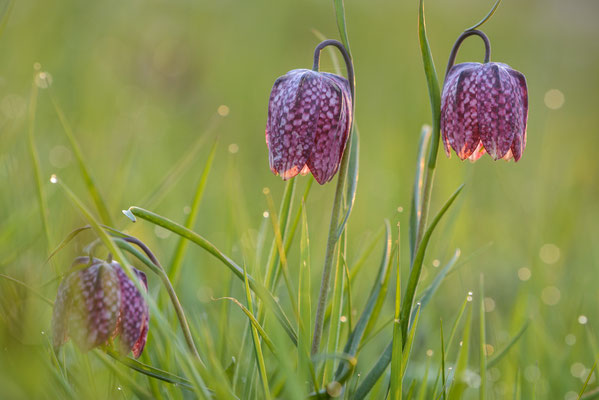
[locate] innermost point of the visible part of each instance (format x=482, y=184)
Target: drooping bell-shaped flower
x=484, y=108
x=98, y=303
x=309, y=121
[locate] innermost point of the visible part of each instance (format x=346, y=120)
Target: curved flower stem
x=171, y=292
x=458, y=43
x=337, y=202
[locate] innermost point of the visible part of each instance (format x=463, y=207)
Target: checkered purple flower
x=96, y=304
x=484, y=107
x=309, y=119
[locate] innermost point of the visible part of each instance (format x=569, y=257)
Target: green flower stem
x=333, y=237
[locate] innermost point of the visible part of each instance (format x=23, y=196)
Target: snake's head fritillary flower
x=98, y=303
x=484, y=108
x=309, y=118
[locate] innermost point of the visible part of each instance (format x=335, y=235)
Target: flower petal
x=292, y=116
x=333, y=127
x=497, y=102
x=96, y=305
x=60, y=313
x=133, y=311
x=522, y=104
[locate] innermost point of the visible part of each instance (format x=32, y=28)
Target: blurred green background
x=141, y=82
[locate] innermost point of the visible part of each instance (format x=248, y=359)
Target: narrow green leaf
x=430, y=291
x=180, y=230
x=396, y=355
x=518, y=387
x=256, y=338
x=352, y=176
x=175, y=267
x=92, y=188
x=422, y=391
x=500, y=354
x=486, y=18
x=5, y=14
x=341, y=24
x=336, y=311
x=375, y=373
x=252, y=320
x=416, y=209
x=382, y=279
x=66, y=240
x=586, y=382
x=482, y=342
x=459, y=381
x=417, y=265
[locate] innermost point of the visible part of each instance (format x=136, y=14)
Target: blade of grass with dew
x=357, y=334
x=348, y=302
x=500, y=354
x=289, y=237
x=92, y=188
x=397, y=343
x=482, y=342
x=417, y=264
x=459, y=382
x=407, y=350
x=252, y=320
x=333, y=389
x=67, y=240
x=486, y=18
x=416, y=209
x=443, y=381
x=256, y=338
x=175, y=268
x=336, y=310
x=180, y=230
x=139, y=391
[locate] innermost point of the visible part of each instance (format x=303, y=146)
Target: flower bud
x=98, y=303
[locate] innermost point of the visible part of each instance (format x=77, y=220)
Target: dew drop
x=53, y=178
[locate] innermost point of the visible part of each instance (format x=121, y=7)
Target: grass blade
x=256, y=339
x=336, y=310
x=459, y=382
x=85, y=173
x=382, y=278
x=430, y=291
x=417, y=265
x=253, y=321
x=180, y=230
x=416, y=210
x=396, y=356
x=5, y=14
x=586, y=382
x=500, y=354
x=175, y=268
x=483, y=343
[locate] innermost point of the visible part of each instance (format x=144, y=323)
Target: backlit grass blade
x=256, y=339
x=417, y=265
x=430, y=291
x=252, y=320
x=35, y=162
x=180, y=230
x=336, y=309
x=357, y=265
x=382, y=277
x=396, y=359
x=66, y=240
x=352, y=176
x=92, y=188
x=482, y=342
x=175, y=267
x=416, y=209
x=586, y=382
x=375, y=373
x=500, y=354
x=459, y=382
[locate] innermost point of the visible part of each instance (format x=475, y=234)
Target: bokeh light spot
x=524, y=274
x=549, y=253
x=554, y=99
x=551, y=295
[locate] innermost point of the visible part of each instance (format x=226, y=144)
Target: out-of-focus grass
x=139, y=82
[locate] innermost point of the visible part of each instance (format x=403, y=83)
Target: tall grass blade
x=430, y=291
x=336, y=311
x=459, y=382
x=92, y=188
x=396, y=355
x=416, y=209
x=586, y=382
x=175, y=267
x=256, y=339
x=500, y=354
x=180, y=230
x=482, y=342
x=357, y=334
x=417, y=265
